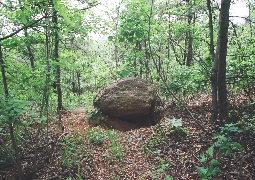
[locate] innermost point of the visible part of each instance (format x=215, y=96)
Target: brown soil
x=150, y=152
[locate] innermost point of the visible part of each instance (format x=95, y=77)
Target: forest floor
x=151, y=152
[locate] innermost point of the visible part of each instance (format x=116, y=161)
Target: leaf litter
x=150, y=152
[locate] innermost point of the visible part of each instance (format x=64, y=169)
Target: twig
x=24, y=27
x=53, y=177
x=65, y=133
x=247, y=19
x=91, y=6
x=163, y=79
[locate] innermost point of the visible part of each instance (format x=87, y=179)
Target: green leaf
x=154, y=176
x=203, y=158
x=23, y=19
x=202, y=171
x=174, y=122
x=18, y=123
x=26, y=123
x=214, y=162
x=42, y=119
x=110, y=38
x=168, y=178
x=213, y=171
x=210, y=150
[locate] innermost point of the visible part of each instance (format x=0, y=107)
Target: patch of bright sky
x=239, y=10
x=105, y=9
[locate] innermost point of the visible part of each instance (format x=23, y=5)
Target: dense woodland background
x=55, y=55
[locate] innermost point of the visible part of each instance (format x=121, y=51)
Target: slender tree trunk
x=215, y=67
x=116, y=48
x=169, y=35
x=18, y=161
x=6, y=92
x=189, y=40
x=210, y=29
x=221, y=56
x=214, y=91
x=30, y=53
x=56, y=57
x=249, y=17
x=11, y=128
x=147, y=59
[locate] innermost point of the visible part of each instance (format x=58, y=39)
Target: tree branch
x=24, y=27
x=91, y=6
x=247, y=19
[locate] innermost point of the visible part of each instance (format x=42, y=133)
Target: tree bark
x=6, y=91
x=210, y=29
x=215, y=67
x=56, y=58
x=30, y=53
x=221, y=54
x=189, y=39
x=18, y=161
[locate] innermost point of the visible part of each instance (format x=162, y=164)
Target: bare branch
x=24, y=27
x=247, y=19
x=91, y=6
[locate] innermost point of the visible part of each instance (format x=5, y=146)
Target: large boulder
x=131, y=99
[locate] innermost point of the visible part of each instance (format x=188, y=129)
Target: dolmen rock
x=131, y=99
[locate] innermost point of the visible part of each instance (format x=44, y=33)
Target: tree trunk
x=221, y=57
x=189, y=39
x=56, y=57
x=6, y=92
x=215, y=68
x=30, y=53
x=11, y=129
x=18, y=161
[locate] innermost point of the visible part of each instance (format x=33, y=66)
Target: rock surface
x=131, y=99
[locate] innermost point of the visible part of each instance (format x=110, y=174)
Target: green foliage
x=16, y=118
x=158, y=137
x=163, y=164
x=12, y=109
x=116, y=150
x=4, y=156
x=223, y=141
x=248, y=124
x=68, y=153
x=133, y=22
x=230, y=128
x=126, y=70
x=96, y=135
x=212, y=168
x=206, y=173
x=92, y=112
x=168, y=178
x=226, y=145
x=175, y=124
x=184, y=81
x=210, y=151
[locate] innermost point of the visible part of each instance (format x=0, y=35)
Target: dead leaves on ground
x=153, y=152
